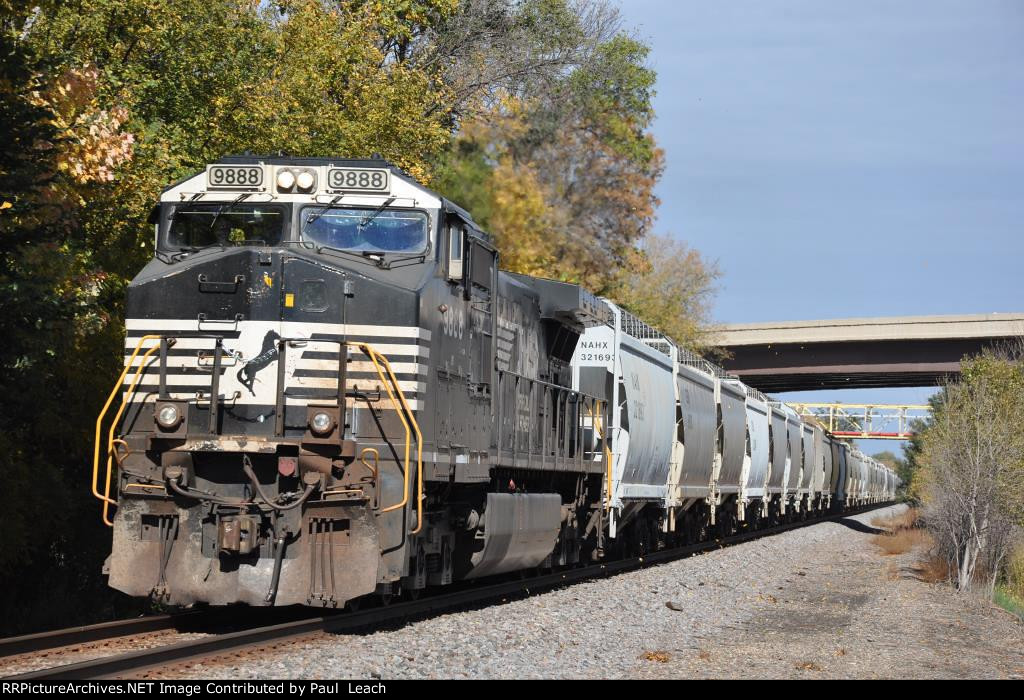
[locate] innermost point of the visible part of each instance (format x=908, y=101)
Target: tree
x=563, y=108
x=670, y=286
x=972, y=467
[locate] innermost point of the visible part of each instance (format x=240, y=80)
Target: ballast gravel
x=819, y=601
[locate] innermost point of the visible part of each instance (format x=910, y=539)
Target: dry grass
x=661, y=657
x=903, y=533
x=908, y=519
x=932, y=569
x=902, y=541
x=1014, y=583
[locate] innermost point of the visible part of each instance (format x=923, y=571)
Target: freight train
x=331, y=392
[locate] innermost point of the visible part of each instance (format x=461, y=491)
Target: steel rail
x=54, y=639
x=147, y=659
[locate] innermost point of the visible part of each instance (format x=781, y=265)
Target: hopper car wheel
x=643, y=543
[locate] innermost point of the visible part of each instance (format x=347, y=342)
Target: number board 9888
x=235, y=177
x=358, y=179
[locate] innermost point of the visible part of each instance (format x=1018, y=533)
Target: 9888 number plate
x=358, y=179
x=234, y=177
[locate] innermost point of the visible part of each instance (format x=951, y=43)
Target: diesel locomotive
x=331, y=391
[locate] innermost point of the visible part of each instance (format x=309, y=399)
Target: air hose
x=247, y=468
x=276, y=577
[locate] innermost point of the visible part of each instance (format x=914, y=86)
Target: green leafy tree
x=104, y=103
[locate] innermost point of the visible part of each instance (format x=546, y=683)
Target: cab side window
x=456, y=238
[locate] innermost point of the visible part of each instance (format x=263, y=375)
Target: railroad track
x=45, y=641
x=102, y=639
x=142, y=660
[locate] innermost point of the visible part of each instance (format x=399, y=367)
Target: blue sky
x=843, y=158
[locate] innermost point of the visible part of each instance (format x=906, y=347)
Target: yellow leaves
x=669, y=285
x=661, y=657
x=90, y=139
x=522, y=220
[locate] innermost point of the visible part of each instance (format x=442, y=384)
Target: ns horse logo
x=268, y=353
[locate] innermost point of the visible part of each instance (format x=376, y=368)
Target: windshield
x=371, y=230
x=200, y=225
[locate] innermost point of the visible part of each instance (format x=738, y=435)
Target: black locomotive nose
x=213, y=287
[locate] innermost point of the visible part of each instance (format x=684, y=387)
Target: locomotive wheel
x=392, y=592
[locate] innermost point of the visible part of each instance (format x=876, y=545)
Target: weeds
x=1008, y=601
x=906, y=520
x=902, y=541
x=903, y=533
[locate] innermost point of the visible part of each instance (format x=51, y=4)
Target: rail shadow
x=859, y=526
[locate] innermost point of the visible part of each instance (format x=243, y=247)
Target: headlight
x=321, y=423
x=168, y=416
x=305, y=180
x=285, y=179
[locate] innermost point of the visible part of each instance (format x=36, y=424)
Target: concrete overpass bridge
x=859, y=353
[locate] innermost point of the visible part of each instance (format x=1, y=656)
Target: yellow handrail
x=118, y=388
x=403, y=410
x=419, y=450
x=374, y=470
x=389, y=381
x=146, y=486
x=376, y=460
x=596, y=417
